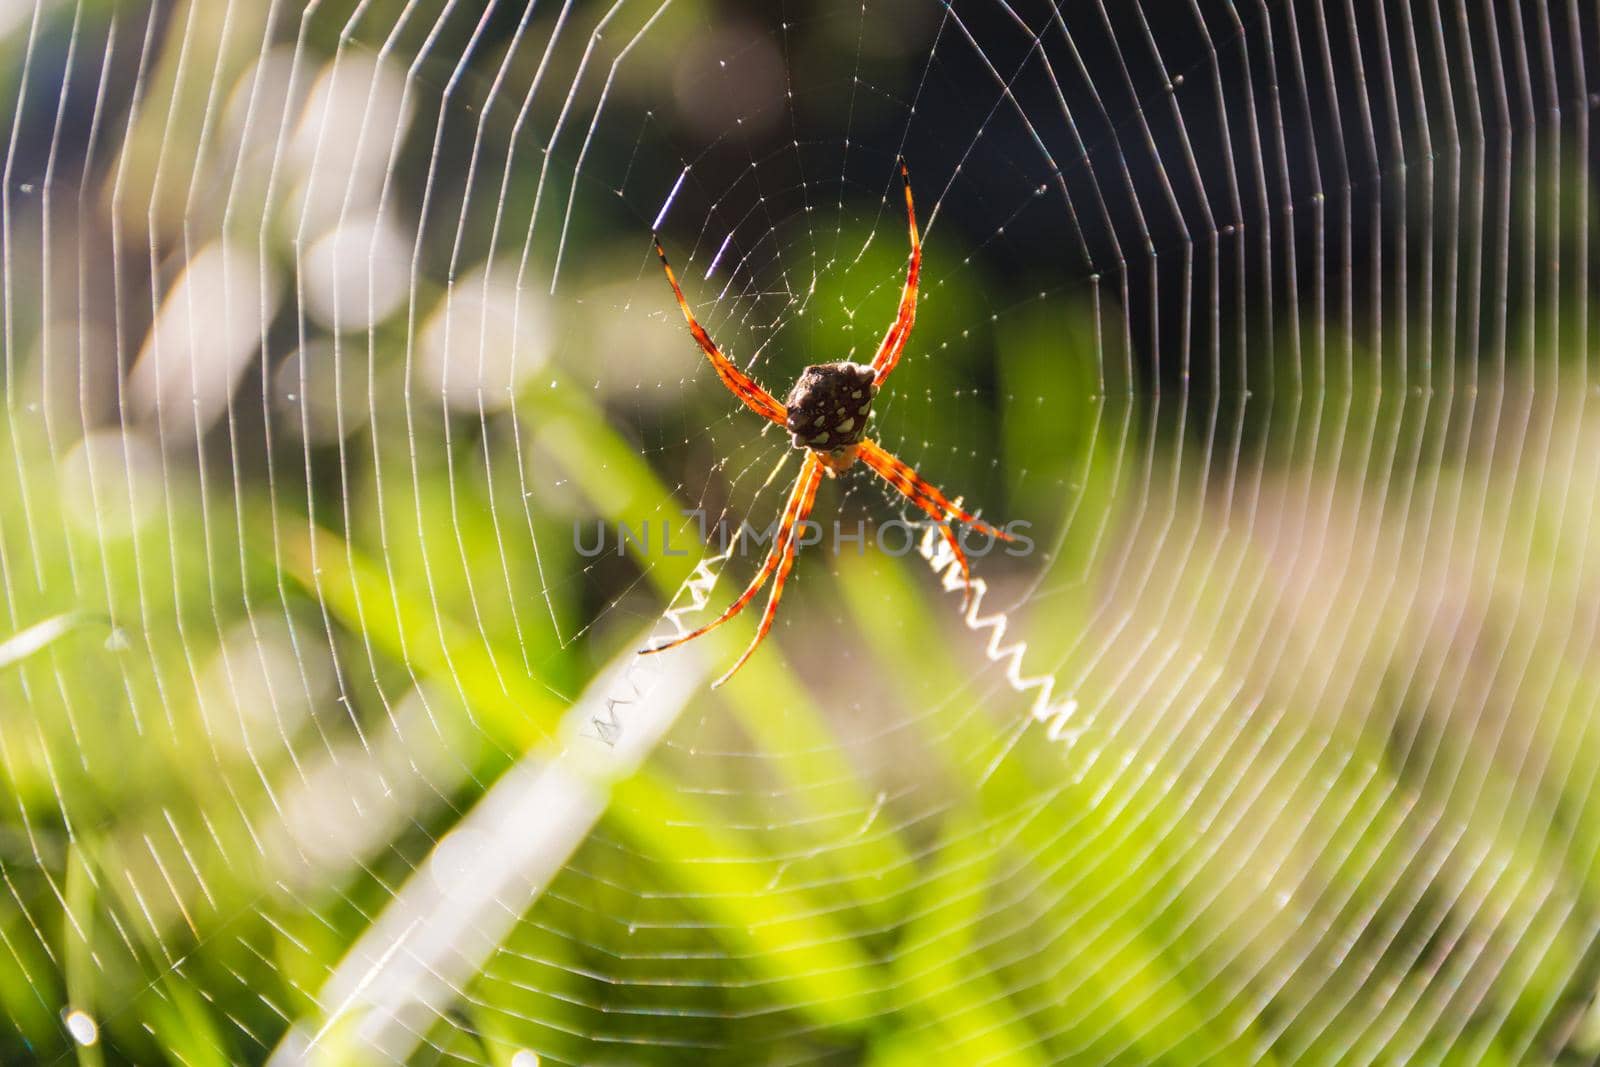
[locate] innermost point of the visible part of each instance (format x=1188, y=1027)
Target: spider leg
x=904, y=479
x=794, y=512
x=738, y=382
x=924, y=494
x=894, y=342
x=791, y=548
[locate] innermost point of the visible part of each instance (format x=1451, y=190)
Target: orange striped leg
x=894, y=342
x=909, y=484
x=906, y=481
x=738, y=382
x=791, y=548
x=800, y=497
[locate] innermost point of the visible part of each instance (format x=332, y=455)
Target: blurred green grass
x=1053, y=909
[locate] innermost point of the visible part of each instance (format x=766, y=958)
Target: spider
x=826, y=416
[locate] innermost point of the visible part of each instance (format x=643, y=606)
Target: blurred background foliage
x=283, y=604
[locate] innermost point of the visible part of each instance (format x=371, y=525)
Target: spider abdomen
x=828, y=407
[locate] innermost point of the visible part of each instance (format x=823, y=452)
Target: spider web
x=354, y=447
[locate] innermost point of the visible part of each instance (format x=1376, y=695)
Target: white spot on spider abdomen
x=829, y=404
